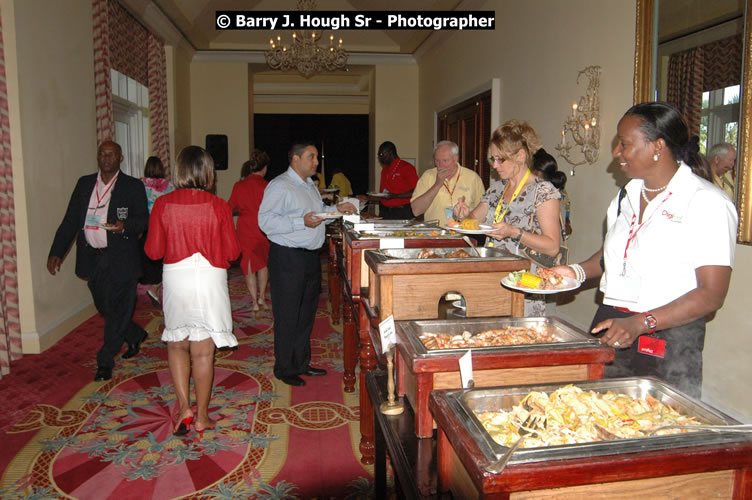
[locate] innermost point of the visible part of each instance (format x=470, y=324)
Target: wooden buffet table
x=690, y=470
x=413, y=460
x=356, y=329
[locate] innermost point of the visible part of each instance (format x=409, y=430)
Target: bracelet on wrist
x=518, y=238
x=579, y=272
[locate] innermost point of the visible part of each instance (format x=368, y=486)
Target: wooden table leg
x=443, y=453
x=334, y=284
x=350, y=339
x=367, y=363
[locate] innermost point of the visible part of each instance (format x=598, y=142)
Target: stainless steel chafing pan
x=406, y=232
x=567, y=336
x=467, y=402
x=390, y=256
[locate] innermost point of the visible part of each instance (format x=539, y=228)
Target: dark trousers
x=295, y=281
x=115, y=299
x=396, y=213
x=681, y=367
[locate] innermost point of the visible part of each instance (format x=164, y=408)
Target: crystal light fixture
x=304, y=53
x=583, y=125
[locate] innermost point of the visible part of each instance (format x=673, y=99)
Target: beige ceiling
x=195, y=19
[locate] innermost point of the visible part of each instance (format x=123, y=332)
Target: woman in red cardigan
x=193, y=231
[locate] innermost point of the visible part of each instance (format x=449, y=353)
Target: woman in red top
x=192, y=230
x=244, y=201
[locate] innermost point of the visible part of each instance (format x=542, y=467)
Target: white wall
x=48, y=46
x=219, y=105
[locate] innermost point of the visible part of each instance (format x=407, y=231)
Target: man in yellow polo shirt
x=440, y=188
x=722, y=160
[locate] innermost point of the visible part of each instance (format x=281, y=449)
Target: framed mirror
x=645, y=76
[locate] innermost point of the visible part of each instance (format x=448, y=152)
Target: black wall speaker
x=216, y=145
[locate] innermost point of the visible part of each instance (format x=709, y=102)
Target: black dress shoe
x=134, y=348
x=103, y=373
x=292, y=380
x=314, y=372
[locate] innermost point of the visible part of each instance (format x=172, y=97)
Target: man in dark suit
x=107, y=212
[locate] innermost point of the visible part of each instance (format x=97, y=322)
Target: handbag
x=543, y=260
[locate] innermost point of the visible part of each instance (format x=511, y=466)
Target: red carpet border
x=65, y=436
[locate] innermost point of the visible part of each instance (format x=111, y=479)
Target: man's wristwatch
x=517, y=238
x=650, y=322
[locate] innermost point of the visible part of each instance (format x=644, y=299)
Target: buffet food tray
x=396, y=223
x=402, y=255
x=567, y=336
x=410, y=232
x=466, y=402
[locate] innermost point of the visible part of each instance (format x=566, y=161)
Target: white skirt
x=196, y=302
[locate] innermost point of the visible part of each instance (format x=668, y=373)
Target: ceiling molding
x=278, y=88
x=311, y=99
x=257, y=56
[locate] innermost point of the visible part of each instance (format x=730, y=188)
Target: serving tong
x=712, y=428
x=525, y=429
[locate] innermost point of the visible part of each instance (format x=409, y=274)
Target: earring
x=656, y=156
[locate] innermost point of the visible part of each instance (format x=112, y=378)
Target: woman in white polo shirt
x=667, y=256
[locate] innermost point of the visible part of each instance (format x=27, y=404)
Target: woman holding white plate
x=522, y=208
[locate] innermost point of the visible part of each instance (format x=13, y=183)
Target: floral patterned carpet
x=65, y=436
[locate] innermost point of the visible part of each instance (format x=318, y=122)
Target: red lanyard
x=633, y=232
x=451, y=193
x=96, y=191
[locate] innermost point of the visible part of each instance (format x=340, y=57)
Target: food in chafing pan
x=513, y=335
x=570, y=415
x=427, y=253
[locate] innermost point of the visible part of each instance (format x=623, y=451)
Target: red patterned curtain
x=690, y=73
x=723, y=63
x=123, y=44
x=10, y=324
x=157, y=75
x=128, y=44
x=686, y=72
x=102, y=80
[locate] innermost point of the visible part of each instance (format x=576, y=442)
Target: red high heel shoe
x=184, y=427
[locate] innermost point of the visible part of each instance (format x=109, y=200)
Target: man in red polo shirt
x=399, y=178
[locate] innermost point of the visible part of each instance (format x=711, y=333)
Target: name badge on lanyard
x=624, y=284
x=93, y=221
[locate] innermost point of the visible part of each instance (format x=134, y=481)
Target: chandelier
x=304, y=53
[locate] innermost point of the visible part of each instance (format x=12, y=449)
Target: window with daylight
x=130, y=110
x=720, y=117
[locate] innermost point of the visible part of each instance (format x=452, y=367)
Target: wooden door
x=469, y=125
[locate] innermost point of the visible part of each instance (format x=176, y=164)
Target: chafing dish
x=406, y=232
x=465, y=403
x=393, y=256
x=567, y=336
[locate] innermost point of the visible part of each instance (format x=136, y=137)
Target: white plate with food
x=483, y=229
x=328, y=215
x=329, y=190
x=377, y=195
x=524, y=281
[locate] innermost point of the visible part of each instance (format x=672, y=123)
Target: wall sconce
x=583, y=125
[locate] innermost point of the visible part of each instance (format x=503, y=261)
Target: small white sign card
x=388, y=333
x=466, y=369
x=364, y=227
x=392, y=243
x=354, y=218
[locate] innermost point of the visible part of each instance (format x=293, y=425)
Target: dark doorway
x=343, y=139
